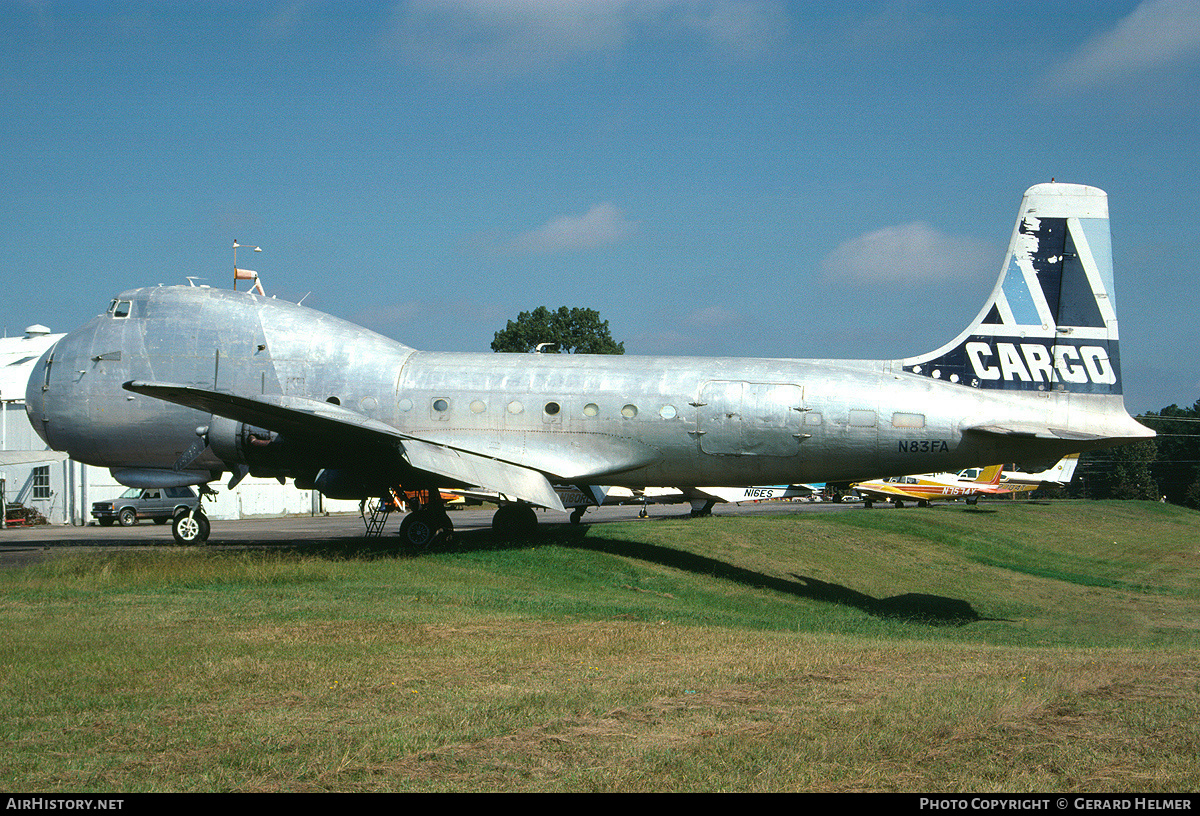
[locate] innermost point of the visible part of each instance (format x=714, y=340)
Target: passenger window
x=902, y=420
x=862, y=419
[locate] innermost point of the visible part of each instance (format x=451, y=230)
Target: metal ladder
x=375, y=514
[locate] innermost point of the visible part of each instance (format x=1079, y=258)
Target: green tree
x=1177, y=467
x=572, y=331
x=1123, y=472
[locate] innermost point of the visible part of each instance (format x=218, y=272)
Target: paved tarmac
x=20, y=546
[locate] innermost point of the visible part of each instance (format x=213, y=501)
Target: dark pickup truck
x=158, y=503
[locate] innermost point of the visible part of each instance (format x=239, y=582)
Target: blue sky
x=716, y=177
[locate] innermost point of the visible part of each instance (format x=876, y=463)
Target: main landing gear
x=517, y=520
x=426, y=528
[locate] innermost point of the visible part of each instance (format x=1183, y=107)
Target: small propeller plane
x=1018, y=481
x=926, y=487
x=969, y=484
x=176, y=385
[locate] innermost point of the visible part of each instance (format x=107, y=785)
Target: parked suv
x=158, y=503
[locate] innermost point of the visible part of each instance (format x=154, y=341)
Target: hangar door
x=749, y=419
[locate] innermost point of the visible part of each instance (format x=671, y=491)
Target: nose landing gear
x=190, y=527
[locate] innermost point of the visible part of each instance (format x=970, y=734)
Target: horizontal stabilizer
x=1031, y=431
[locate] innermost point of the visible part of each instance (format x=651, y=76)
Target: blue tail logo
x=1050, y=323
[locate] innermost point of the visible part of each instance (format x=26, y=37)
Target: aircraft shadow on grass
x=934, y=610
x=913, y=607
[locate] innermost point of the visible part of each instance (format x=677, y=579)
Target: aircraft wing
x=303, y=417
x=737, y=495
x=876, y=490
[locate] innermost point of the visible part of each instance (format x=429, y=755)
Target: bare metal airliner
x=176, y=385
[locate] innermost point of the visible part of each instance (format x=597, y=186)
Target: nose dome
x=35, y=396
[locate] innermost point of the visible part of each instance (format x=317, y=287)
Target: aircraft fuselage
x=614, y=420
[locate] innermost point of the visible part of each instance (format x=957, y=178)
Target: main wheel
x=190, y=528
x=425, y=528
x=127, y=517
x=515, y=520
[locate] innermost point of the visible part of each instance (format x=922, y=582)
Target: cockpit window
x=120, y=308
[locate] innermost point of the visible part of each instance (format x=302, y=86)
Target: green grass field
x=1008, y=647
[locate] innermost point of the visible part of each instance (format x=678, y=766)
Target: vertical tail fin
x=1061, y=472
x=1050, y=323
x=990, y=475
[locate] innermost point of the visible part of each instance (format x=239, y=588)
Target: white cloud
x=602, y=224
x=1158, y=33
x=738, y=28
x=911, y=253
x=487, y=39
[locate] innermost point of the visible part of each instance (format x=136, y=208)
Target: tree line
x=1166, y=467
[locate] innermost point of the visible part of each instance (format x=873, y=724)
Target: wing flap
x=503, y=477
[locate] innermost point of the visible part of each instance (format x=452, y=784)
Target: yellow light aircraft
x=928, y=486
x=967, y=484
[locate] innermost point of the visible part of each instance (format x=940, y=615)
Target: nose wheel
x=190, y=527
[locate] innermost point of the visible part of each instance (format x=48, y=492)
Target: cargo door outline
x=738, y=418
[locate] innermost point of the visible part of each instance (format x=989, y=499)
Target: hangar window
x=41, y=482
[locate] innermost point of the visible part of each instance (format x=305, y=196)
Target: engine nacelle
x=240, y=443
x=313, y=466
x=342, y=484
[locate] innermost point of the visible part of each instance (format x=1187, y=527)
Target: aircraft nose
x=35, y=396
